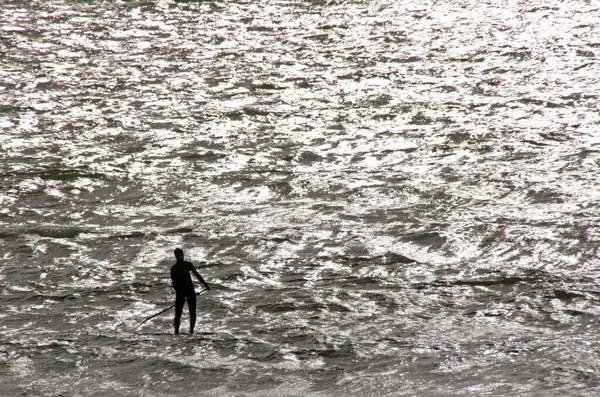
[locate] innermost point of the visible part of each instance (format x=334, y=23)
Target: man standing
x=184, y=289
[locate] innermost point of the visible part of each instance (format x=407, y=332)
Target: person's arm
x=199, y=277
x=173, y=278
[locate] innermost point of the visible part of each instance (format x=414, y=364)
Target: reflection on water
x=389, y=199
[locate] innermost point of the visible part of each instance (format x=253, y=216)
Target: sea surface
x=388, y=198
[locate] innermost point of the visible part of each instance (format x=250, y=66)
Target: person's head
x=178, y=253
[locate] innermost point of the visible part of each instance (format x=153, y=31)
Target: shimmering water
x=389, y=198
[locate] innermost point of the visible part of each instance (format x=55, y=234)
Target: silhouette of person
x=184, y=289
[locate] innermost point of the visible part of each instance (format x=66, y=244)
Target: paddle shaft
x=167, y=309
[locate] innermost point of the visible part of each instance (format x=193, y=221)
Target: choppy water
x=389, y=198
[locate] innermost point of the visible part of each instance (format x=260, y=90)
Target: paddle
x=167, y=309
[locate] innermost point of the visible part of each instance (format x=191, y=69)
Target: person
x=184, y=289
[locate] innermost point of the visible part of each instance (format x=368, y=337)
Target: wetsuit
x=184, y=290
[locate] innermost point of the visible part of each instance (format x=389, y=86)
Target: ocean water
x=389, y=198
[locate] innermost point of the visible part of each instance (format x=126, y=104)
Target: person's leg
x=179, y=301
x=191, y=300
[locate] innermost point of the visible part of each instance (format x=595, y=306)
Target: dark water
x=389, y=198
